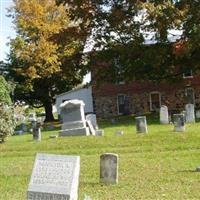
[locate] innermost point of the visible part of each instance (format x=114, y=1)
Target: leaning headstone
x=54, y=177
x=190, y=116
x=109, y=168
x=91, y=128
x=164, y=116
x=73, y=118
x=118, y=133
x=141, y=124
x=179, y=124
x=93, y=119
x=99, y=132
x=198, y=114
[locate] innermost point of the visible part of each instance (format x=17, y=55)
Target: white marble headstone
x=164, y=116
x=93, y=119
x=54, y=177
x=190, y=114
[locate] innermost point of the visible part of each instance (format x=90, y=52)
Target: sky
x=6, y=28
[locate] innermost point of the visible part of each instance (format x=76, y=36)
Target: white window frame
x=118, y=103
x=150, y=100
x=185, y=76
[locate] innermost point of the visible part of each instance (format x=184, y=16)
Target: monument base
x=84, y=131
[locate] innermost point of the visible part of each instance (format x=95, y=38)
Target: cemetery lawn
x=159, y=165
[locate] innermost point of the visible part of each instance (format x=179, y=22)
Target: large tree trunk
x=49, y=112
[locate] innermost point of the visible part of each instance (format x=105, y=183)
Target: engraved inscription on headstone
x=141, y=124
x=73, y=117
x=109, y=168
x=54, y=177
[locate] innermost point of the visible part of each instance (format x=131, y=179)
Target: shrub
x=7, y=121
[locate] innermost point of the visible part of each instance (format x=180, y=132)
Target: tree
x=123, y=28
x=42, y=59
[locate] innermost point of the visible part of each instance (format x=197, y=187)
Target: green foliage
x=5, y=90
x=45, y=57
x=7, y=122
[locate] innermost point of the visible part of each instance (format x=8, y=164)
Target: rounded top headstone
x=72, y=103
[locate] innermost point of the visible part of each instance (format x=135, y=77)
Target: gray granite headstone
x=190, y=114
x=141, y=124
x=198, y=114
x=179, y=123
x=164, y=116
x=73, y=117
x=54, y=177
x=109, y=168
x=119, y=133
x=99, y=132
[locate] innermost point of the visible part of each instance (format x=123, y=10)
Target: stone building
x=145, y=96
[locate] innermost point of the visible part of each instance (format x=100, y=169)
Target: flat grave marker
x=54, y=177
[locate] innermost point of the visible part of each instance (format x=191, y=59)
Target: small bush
x=7, y=122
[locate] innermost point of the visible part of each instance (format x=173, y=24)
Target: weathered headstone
x=198, y=169
x=164, y=116
x=109, y=168
x=99, y=132
x=54, y=177
x=91, y=128
x=73, y=118
x=198, y=114
x=141, y=124
x=179, y=124
x=37, y=131
x=93, y=119
x=190, y=114
x=118, y=133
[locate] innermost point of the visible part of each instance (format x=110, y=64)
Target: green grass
x=159, y=165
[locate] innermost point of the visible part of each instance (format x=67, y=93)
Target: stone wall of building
x=138, y=94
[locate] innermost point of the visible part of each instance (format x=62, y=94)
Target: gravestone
x=198, y=114
x=54, y=177
x=119, y=133
x=141, y=124
x=37, y=131
x=184, y=113
x=190, y=116
x=91, y=128
x=198, y=169
x=164, y=116
x=109, y=168
x=73, y=118
x=179, y=123
x=93, y=119
x=99, y=132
